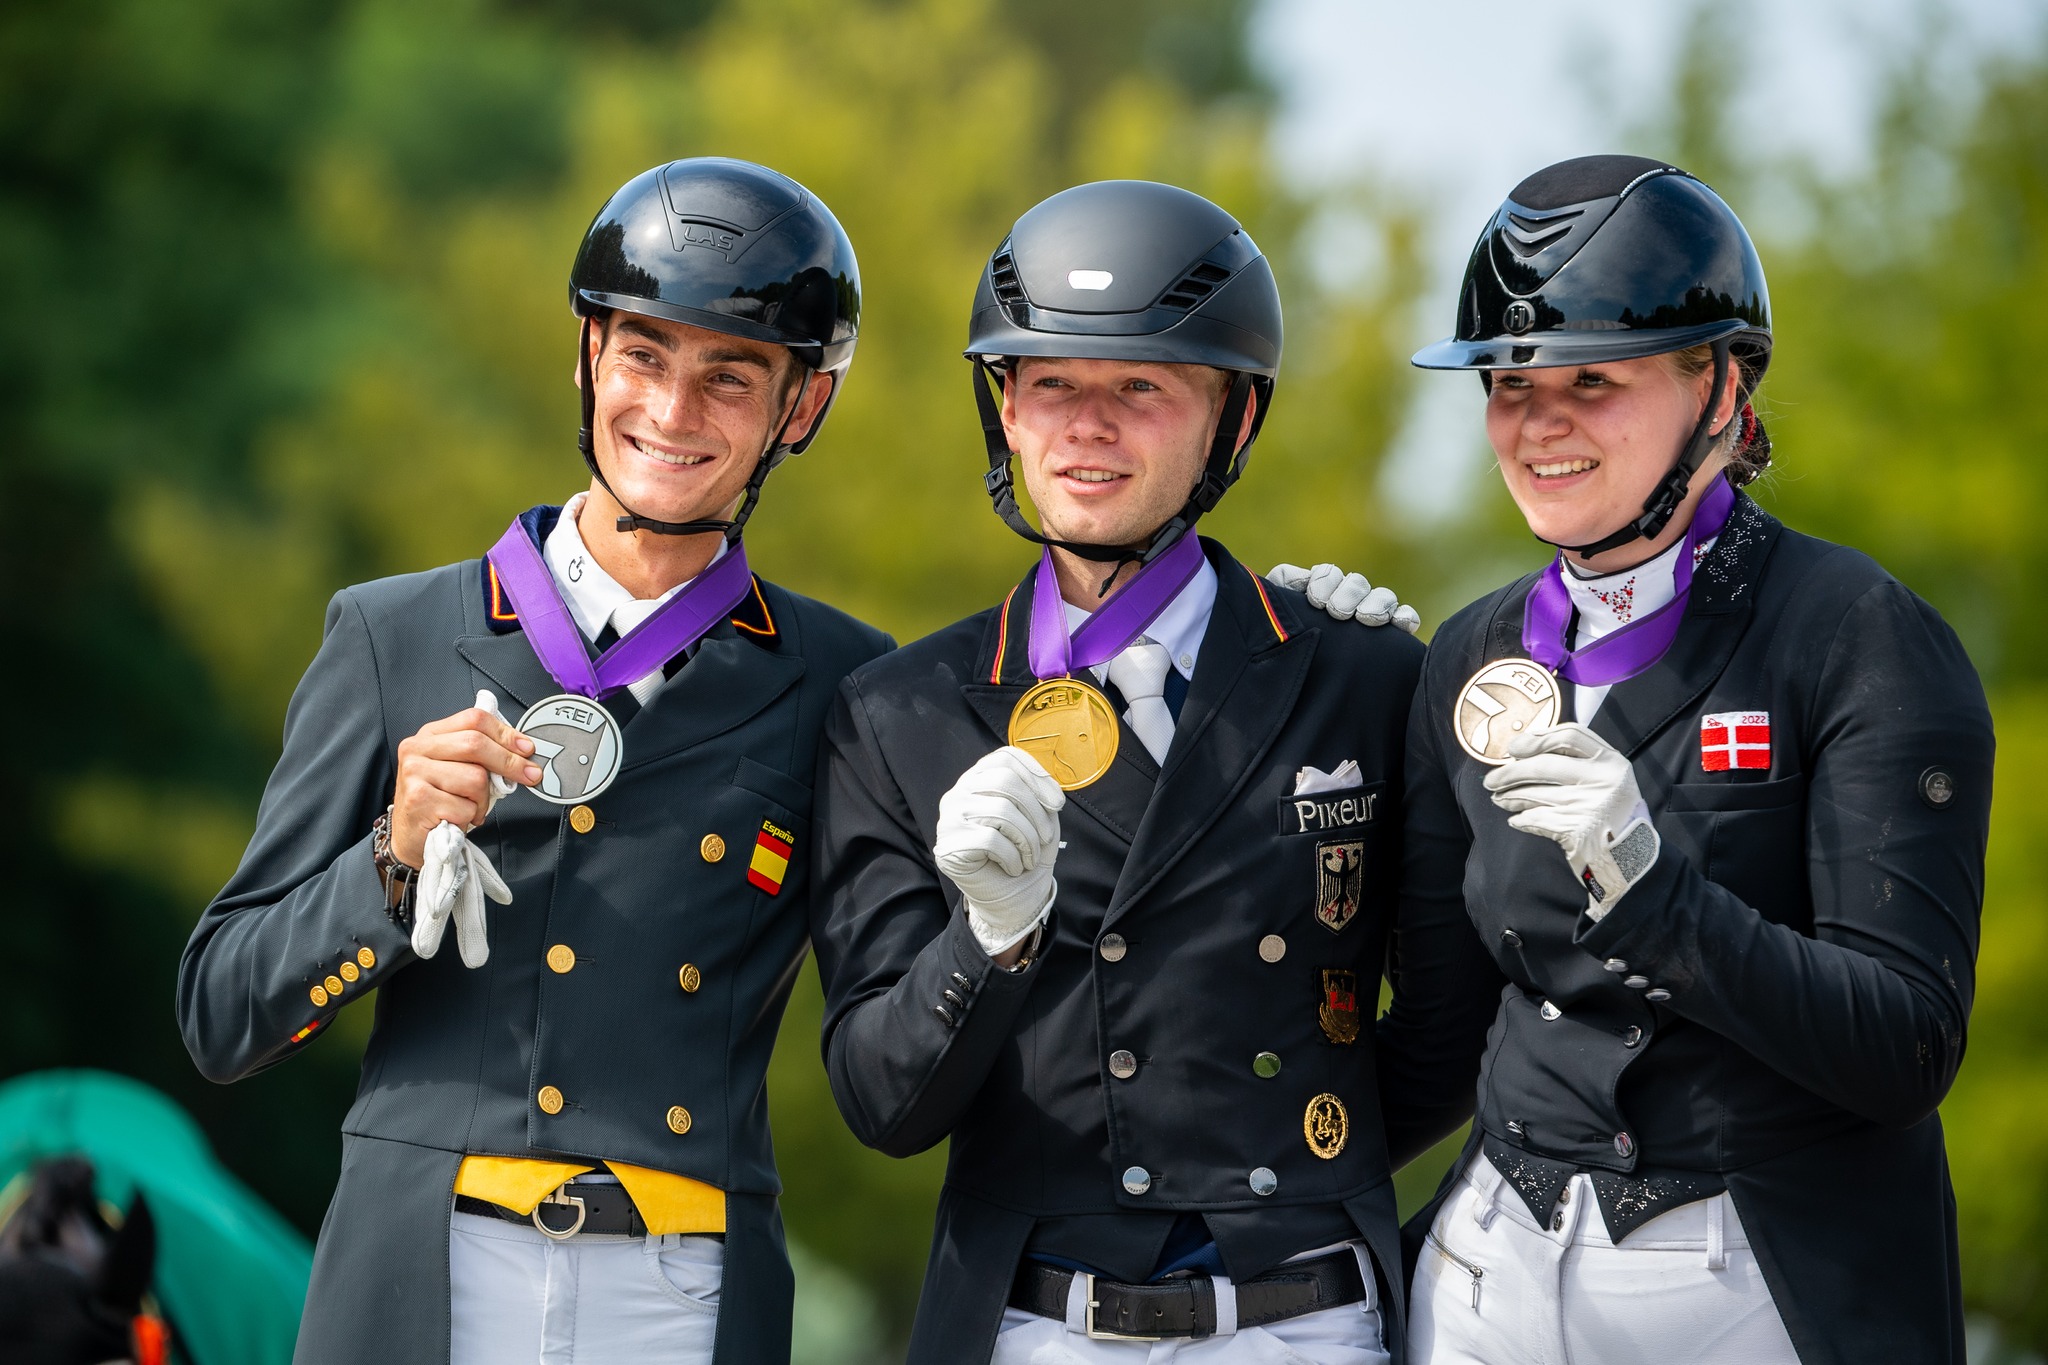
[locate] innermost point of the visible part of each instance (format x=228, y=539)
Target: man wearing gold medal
x=1108, y=872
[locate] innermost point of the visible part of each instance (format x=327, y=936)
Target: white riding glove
x=997, y=837
x=1568, y=784
x=1347, y=596
x=455, y=876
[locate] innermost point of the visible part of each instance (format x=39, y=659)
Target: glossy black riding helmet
x=732, y=247
x=1613, y=258
x=1128, y=270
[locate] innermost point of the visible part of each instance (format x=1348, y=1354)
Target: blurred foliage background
x=284, y=309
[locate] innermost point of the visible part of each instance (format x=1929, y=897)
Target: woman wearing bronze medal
x=1721, y=792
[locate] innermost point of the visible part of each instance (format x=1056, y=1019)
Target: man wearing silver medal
x=1108, y=872
x=1720, y=794
x=559, y=1150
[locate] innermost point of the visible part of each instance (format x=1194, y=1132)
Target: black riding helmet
x=733, y=247
x=1614, y=258
x=1128, y=270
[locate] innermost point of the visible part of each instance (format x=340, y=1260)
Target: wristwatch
x=397, y=878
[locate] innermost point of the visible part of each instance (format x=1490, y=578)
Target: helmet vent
x=1002, y=272
x=1195, y=286
x=1529, y=235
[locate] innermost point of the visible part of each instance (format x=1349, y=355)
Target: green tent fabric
x=230, y=1273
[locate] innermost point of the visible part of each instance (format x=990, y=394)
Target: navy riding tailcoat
x=456, y=1059
x=1191, y=931
x=1813, y=920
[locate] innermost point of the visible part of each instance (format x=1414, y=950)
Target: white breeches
x=589, y=1300
x=1495, y=1287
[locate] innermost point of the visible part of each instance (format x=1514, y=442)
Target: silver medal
x=1503, y=699
x=577, y=745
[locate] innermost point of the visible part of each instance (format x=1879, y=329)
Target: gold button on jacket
x=549, y=1099
x=713, y=848
x=582, y=819
x=561, y=958
x=689, y=978
x=678, y=1119
x=367, y=957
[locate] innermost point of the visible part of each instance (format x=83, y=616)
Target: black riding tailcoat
x=1815, y=923
x=725, y=747
x=1168, y=883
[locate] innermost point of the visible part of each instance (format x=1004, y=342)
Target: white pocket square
x=1310, y=780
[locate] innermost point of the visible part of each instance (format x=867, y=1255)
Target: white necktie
x=625, y=616
x=1140, y=674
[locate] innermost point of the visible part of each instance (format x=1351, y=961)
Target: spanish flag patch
x=771, y=857
x=307, y=1032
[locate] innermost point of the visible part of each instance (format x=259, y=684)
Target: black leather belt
x=576, y=1207
x=1186, y=1306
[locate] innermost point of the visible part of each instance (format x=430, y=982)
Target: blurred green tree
x=1900, y=402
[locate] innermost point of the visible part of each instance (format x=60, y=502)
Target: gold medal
x=1069, y=728
x=1502, y=700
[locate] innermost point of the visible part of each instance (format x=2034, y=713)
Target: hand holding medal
x=1508, y=698
x=998, y=836
x=451, y=798
x=1564, y=782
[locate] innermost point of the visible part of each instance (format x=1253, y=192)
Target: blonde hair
x=1744, y=440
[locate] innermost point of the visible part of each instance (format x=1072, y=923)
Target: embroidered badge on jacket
x=771, y=857
x=1340, y=878
x=1735, y=739
x=1326, y=1126
x=1337, y=1011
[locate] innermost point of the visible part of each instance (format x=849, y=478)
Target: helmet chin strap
x=632, y=521
x=1670, y=492
x=1217, y=476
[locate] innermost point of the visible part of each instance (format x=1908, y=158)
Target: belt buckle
x=559, y=1198
x=1088, y=1316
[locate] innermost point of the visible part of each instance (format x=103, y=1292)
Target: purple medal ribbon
x=1643, y=641
x=675, y=625
x=1054, y=654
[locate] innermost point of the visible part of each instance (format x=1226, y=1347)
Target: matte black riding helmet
x=735, y=248
x=1128, y=270
x=1614, y=258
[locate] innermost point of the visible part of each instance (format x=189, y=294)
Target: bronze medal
x=1502, y=700
x=1337, y=1010
x=1326, y=1126
x=1069, y=728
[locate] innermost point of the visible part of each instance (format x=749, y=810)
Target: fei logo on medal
x=577, y=745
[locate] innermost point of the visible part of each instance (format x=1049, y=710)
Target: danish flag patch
x=1735, y=739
